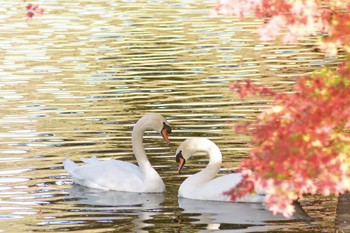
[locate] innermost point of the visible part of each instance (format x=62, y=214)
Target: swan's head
x=155, y=121
x=188, y=147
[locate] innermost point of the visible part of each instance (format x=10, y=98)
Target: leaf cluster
x=301, y=143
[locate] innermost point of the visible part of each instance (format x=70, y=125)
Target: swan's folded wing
x=109, y=175
x=215, y=189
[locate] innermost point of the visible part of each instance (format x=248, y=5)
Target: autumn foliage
x=33, y=10
x=294, y=19
x=301, y=143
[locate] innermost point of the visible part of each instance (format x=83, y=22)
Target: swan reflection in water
x=247, y=217
x=143, y=205
x=251, y=216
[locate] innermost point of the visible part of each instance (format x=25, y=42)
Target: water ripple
x=75, y=80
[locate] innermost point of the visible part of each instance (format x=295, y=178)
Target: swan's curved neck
x=138, y=149
x=212, y=169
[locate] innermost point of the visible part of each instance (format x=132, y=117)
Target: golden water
x=74, y=81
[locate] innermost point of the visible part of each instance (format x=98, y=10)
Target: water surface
x=74, y=81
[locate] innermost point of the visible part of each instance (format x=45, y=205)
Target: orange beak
x=165, y=133
x=181, y=161
x=181, y=164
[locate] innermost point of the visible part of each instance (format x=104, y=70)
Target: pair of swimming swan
x=123, y=176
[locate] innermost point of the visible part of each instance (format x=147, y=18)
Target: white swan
x=123, y=176
x=203, y=185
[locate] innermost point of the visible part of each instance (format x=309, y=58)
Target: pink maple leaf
x=33, y=9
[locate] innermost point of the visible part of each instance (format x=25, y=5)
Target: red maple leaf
x=33, y=9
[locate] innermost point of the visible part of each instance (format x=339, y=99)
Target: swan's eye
x=178, y=156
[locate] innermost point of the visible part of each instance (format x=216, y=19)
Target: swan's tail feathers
x=70, y=166
x=92, y=160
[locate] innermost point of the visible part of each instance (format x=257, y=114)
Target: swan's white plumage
x=120, y=175
x=107, y=175
x=204, y=185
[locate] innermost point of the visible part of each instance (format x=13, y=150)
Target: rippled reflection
x=74, y=81
x=249, y=216
x=96, y=197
